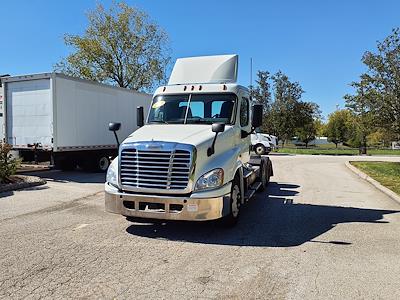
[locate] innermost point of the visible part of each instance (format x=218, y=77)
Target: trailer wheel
x=232, y=218
x=260, y=149
x=96, y=163
x=103, y=162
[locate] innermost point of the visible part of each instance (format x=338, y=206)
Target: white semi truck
x=261, y=145
x=191, y=160
x=64, y=118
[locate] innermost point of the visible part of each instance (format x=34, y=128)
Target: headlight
x=112, y=173
x=210, y=180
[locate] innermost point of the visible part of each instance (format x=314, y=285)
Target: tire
x=264, y=175
x=99, y=163
x=232, y=218
x=260, y=149
x=103, y=162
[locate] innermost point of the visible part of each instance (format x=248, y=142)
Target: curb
x=29, y=181
x=372, y=181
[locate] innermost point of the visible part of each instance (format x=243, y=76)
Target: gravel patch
x=21, y=182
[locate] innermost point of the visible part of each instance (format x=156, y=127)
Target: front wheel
x=260, y=149
x=232, y=218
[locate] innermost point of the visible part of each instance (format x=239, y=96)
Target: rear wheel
x=260, y=149
x=264, y=175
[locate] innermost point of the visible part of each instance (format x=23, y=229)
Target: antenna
x=251, y=75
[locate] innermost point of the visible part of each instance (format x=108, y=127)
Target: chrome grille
x=155, y=169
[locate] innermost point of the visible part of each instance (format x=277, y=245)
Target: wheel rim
x=235, y=201
x=103, y=163
x=259, y=150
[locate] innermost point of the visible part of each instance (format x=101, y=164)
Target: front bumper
x=168, y=207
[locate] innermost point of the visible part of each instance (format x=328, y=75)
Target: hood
x=192, y=134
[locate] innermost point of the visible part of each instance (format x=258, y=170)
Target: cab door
x=245, y=126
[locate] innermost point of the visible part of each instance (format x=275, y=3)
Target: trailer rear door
x=29, y=113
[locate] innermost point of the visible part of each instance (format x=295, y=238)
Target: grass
x=386, y=173
x=317, y=151
x=334, y=151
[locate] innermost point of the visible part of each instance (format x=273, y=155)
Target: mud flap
x=226, y=209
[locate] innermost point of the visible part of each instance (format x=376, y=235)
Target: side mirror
x=114, y=126
x=218, y=127
x=257, y=115
x=140, y=116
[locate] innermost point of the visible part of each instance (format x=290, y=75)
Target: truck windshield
x=193, y=109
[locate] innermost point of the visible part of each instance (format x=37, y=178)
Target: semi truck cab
x=192, y=158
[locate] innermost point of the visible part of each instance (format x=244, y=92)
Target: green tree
x=338, y=127
x=320, y=127
x=8, y=164
x=120, y=46
x=307, y=115
x=359, y=105
x=378, y=92
x=284, y=109
x=261, y=92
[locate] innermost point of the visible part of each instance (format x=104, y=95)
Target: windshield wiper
x=159, y=121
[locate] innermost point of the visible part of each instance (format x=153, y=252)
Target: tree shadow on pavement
x=270, y=220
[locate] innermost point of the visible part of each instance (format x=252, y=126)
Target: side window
x=244, y=112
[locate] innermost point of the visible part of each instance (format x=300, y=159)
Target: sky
x=317, y=43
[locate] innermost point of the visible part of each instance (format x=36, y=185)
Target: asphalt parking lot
x=318, y=232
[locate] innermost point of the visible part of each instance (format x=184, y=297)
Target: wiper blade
x=158, y=121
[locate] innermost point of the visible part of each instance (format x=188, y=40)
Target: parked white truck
x=52, y=115
x=261, y=145
x=191, y=160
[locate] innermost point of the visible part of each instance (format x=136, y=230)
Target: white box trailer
x=2, y=126
x=67, y=117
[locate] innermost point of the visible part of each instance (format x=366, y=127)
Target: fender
x=227, y=160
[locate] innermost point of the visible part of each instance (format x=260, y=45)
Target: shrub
x=8, y=164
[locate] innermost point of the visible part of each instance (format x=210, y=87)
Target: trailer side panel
x=84, y=109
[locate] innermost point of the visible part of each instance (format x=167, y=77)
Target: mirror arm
x=116, y=137
x=211, y=149
x=245, y=134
